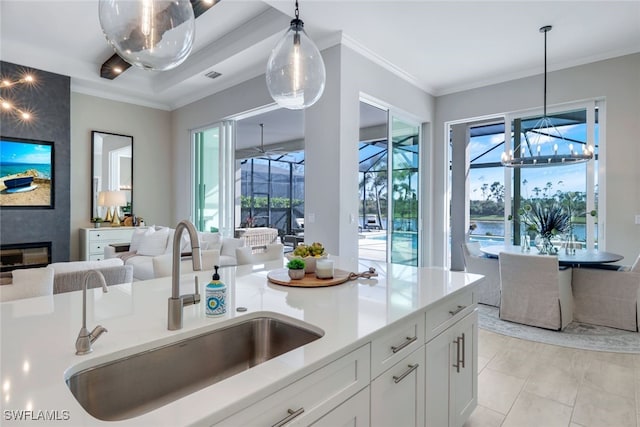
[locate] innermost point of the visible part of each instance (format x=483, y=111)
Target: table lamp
x=115, y=199
x=102, y=201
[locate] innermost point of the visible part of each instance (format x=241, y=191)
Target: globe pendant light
x=150, y=34
x=295, y=70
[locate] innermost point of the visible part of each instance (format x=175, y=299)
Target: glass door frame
x=226, y=174
x=398, y=116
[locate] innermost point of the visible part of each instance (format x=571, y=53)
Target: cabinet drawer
x=396, y=343
x=112, y=234
x=310, y=397
x=97, y=247
x=447, y=312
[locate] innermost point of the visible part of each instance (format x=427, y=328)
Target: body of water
x=44, y=170
x=496, y=228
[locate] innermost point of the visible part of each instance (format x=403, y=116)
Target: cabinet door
x=452, y=374
x=464, y=384
x=352, y=413
x=397, y=395
x=438, y=374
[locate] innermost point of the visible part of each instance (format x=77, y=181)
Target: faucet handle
x=196, y=296
x=190, y=299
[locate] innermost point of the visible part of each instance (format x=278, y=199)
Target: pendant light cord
x=544, y=30
x=298, y=13
x=545, y=73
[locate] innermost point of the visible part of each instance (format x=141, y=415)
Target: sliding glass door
x=404, y=180
x=213, y=178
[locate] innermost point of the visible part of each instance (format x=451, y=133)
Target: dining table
x=577, y=258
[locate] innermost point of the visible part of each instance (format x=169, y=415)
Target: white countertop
x=38, y=335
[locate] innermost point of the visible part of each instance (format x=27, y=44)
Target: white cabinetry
x=421, y=371
x=312, y=397
x=452, y=374
x=397, y=395
x=354, y=412
x=94, y=240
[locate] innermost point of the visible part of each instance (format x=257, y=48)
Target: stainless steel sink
x=144, y=381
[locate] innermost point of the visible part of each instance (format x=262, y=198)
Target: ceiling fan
x=270, y=151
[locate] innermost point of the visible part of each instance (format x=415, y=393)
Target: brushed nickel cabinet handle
x=292, y=415
x=457, y=310
x=408, y=341
x=463, y=354
x=397, y=379
x=457, y=364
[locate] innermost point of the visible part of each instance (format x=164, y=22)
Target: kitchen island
x=356, y=318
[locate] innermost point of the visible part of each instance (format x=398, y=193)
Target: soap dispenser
x=216, y=296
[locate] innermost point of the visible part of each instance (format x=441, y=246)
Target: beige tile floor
x=523, y=383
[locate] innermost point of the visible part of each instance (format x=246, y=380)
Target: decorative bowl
x=309, y=261
x=296, y=274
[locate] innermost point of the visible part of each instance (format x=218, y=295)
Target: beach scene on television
x=25, y=173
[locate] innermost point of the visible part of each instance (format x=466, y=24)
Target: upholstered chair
x=607, y=297
x=28, y=283
x=534, y=291
x=476, y=262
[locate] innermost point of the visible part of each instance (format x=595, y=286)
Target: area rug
x=575, y=335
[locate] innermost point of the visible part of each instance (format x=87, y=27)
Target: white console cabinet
x=94, y=240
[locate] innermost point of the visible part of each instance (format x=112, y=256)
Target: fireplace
x=25, y=255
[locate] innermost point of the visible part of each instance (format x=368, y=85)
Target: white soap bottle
x=216, y=296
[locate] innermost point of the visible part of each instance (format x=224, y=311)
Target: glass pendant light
x=295, y=71
x=150, y=34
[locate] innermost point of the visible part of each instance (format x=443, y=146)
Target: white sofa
x=157, y=242
x=62, y=277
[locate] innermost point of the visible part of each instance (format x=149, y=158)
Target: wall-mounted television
x=26, y=173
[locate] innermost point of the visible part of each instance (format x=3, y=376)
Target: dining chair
x=476, y=262
x=607, y=297
x=535, y=291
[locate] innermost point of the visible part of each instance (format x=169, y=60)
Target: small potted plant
x=309, y=254
x=97, y=222
x=296, y=269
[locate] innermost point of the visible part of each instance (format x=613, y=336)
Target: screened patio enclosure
x=272, y=189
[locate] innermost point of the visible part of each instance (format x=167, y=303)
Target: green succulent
x=296, y=264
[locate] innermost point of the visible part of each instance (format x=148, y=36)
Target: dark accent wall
x=49, y=100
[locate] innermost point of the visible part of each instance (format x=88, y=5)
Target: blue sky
x=562, y=178
x=16, y=152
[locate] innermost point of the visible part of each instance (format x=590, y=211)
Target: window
x=491, y=187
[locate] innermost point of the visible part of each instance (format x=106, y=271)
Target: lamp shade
x=295, y=70
x=112, y=198
x=102, y=198
x=150, y=34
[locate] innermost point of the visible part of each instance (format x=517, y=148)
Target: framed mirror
x=111, y=170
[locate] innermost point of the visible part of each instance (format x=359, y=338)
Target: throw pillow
x=209, y=240
x=229, y=246
x=137, y=237
x=155, y=243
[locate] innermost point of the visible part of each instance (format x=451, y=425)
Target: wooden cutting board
x=281, y=277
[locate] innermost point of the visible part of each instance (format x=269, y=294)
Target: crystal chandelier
x=536, y=152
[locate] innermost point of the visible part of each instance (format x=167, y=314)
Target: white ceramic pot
x=296, y=274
